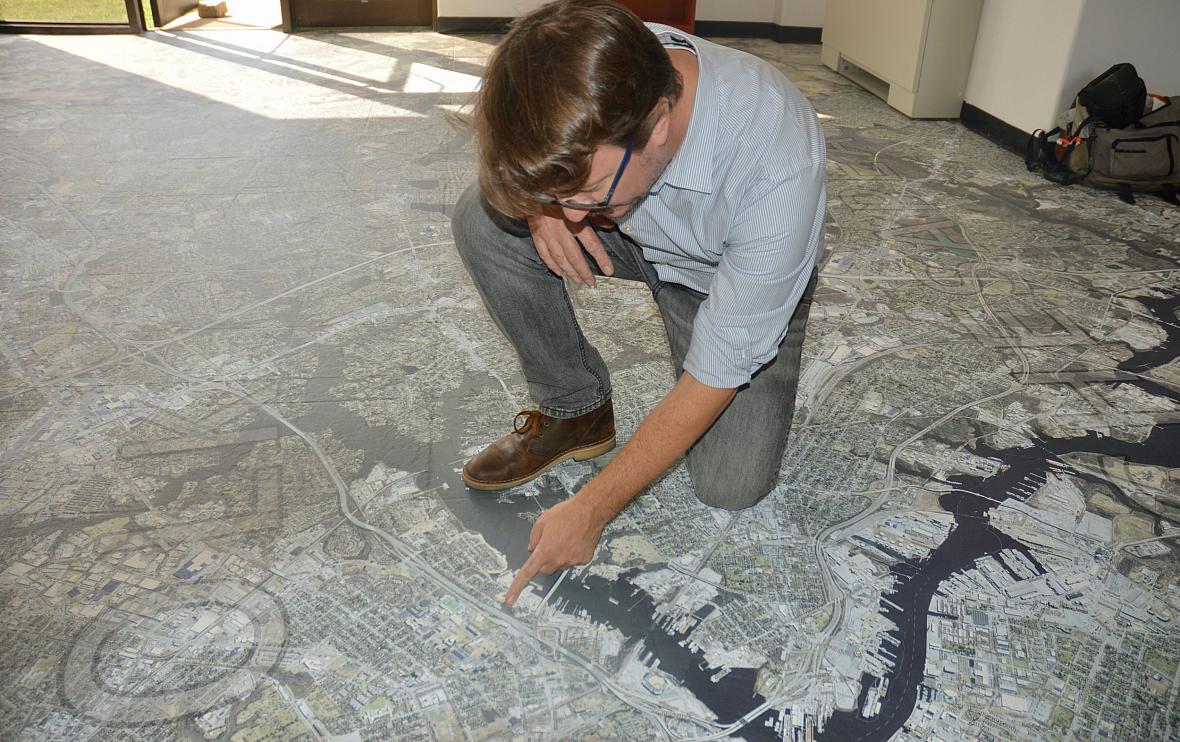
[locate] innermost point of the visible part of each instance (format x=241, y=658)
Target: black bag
x=1112, y=138
x=1116, y=98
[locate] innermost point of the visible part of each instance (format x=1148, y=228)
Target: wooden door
x=678, y=13
x=166, y=11
x=346, y=13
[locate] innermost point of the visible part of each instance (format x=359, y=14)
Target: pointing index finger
x=526, y=573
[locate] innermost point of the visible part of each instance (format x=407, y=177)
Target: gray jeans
x=736, y=462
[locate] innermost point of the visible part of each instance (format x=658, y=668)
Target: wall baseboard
x=997, y=130
x=741, y=29
x=63, y=27
x=757, y=30
x=471, y=25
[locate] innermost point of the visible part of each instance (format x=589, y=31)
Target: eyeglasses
x=605, y=203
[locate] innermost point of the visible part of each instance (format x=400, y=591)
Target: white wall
x=1142, y=32
x=758, y=11
x=1021, y=57
x=486, y=8
x=805, y=13
x=783, y=12
x=1032, y=57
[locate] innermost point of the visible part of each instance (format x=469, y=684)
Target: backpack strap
x=1035, y=148
x=1042, y=155
x=1070, y=176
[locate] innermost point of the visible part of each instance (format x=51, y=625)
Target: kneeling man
x=611, y=147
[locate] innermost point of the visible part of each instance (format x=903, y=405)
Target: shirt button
x=628, y=229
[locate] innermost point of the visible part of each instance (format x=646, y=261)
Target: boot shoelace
x=533, y=422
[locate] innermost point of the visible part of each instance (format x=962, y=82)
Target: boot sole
x=577, y=454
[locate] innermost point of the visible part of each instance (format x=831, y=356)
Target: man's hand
x=556, y=239
x=565, y=534
x=568, y=532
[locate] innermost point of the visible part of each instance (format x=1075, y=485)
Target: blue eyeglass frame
x=605, y=203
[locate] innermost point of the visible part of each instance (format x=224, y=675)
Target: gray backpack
x=1101, y=142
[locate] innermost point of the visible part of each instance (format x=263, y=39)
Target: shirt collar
x=691, y=167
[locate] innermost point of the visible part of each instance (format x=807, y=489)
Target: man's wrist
x=596, y=506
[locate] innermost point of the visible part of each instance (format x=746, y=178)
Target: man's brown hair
x=567, y=78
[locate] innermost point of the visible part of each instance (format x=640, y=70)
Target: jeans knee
x=730, y=493
x=467, y=218
x=479, y=231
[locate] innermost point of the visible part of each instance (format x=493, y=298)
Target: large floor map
x=241, y=366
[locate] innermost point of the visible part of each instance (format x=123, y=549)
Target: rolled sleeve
x=765, y=266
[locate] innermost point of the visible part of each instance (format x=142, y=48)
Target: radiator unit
x=914, y=54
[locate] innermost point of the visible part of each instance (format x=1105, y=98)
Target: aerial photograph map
x=239, y=381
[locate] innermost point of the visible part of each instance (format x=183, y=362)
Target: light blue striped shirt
x=738, y=213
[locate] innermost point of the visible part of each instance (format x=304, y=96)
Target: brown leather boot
x=538, y=443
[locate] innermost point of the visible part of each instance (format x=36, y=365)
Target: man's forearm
x=676, y=423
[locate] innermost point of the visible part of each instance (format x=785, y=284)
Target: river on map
x=973, y=537
x=617, y=603
x=506, y=524
x=629, y=609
